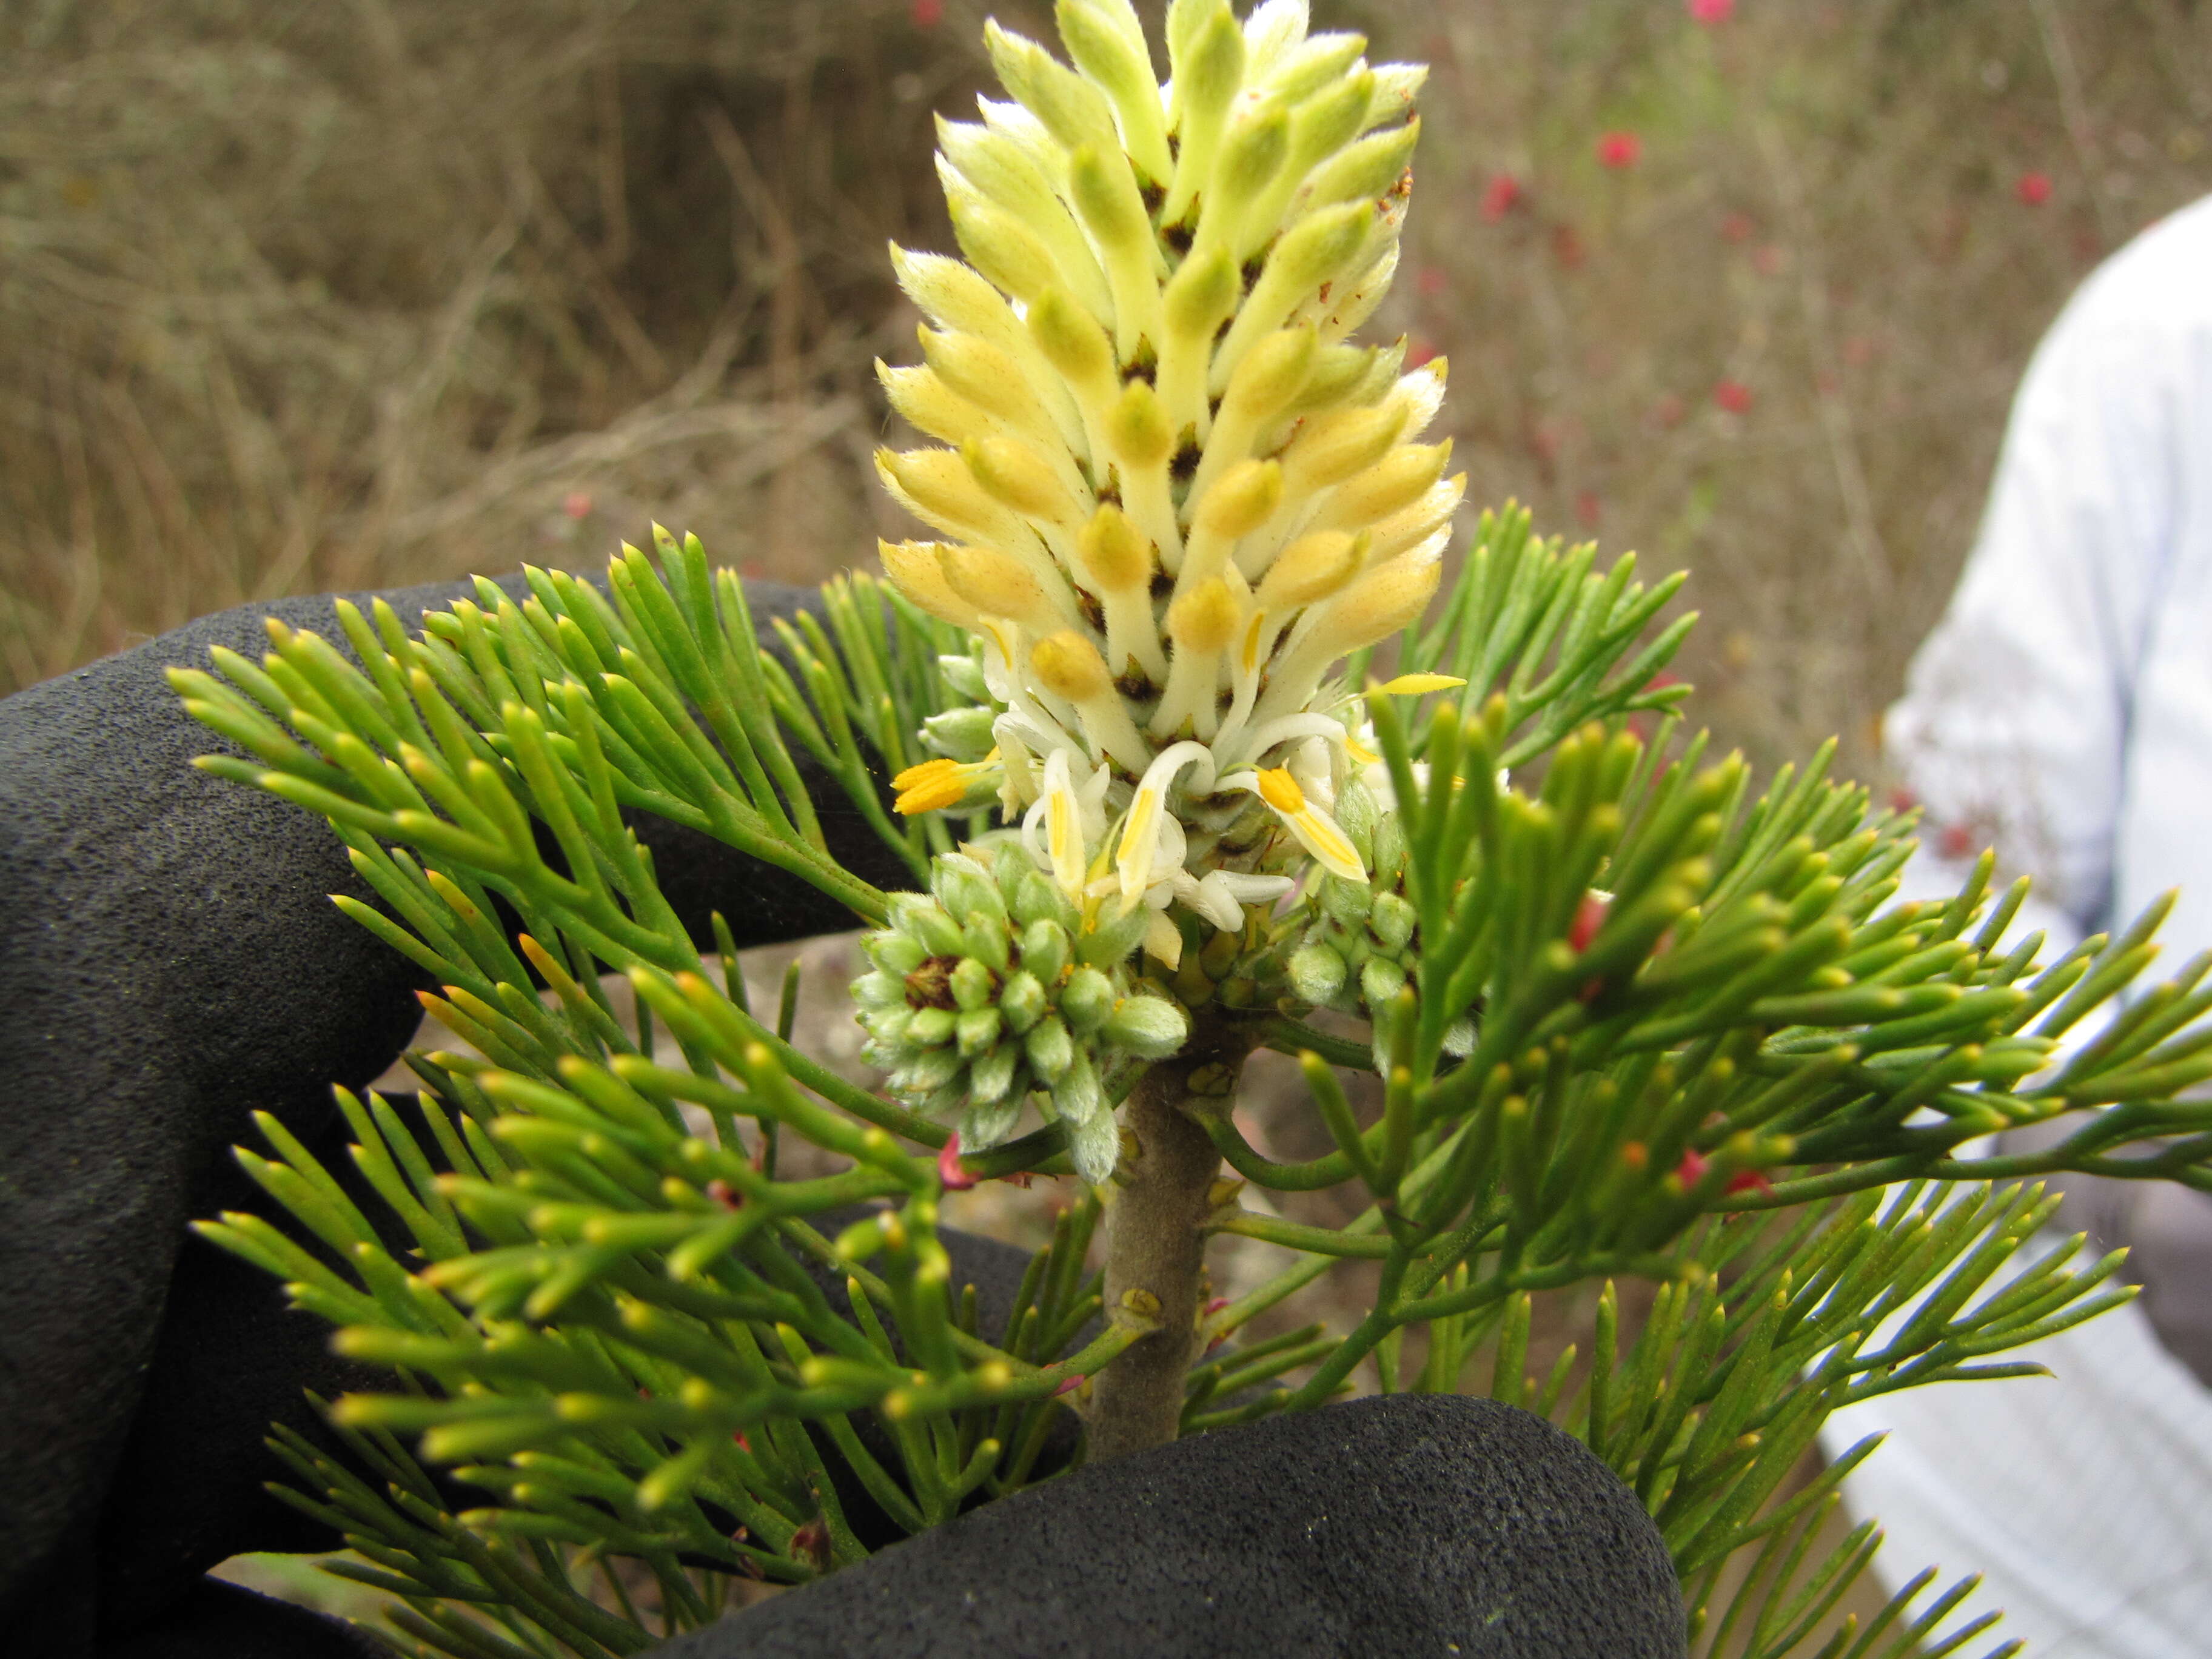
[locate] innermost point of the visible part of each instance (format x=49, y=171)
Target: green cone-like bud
x=1050, y=1049
x=1150, y=1027
x=965, y=676
x=968, y=1018
x=960, y=734
x=1317, y=974
x=1086, y=1002
x=1393, y=919
x=1022, y=1001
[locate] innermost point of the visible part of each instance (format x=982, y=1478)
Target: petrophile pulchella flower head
x=1173, y=494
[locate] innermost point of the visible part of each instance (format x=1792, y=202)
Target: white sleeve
x=2013, y=727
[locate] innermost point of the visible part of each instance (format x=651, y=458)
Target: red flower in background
x=1419, y=351
x=1736, y=227
x=2033, y=188
x=1587, y=508
x=1618, y=151
x=1431, y=280
x=1734, y=395
x=577, y=504
x=927, y=14
x=1500, y=196
x=1709, y=12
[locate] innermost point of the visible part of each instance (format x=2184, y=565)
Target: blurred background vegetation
x=298, y=296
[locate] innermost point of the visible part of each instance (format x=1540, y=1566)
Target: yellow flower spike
x=937, y=488
x=1015, y=476
x=1416, y=685
x=1117, y=558
x=1205, y=619
x=998, y=585
x=1115, y=555
x=913, y=569
x=1239, y=504
x=1399, y=479
x=1378, y=605
x=1335, y=446
x=1067, y=664
x=1317, y=831
x=974, y=369
x=1274, y=373
x=1112, y=210
x=1311, y=569
x=1202, y=621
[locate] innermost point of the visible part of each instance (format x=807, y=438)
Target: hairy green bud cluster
x=995, y=986
x=1363, y=944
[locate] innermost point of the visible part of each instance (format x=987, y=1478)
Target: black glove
x=170, y=963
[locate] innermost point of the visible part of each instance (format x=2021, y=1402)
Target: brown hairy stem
x=1156, y=1240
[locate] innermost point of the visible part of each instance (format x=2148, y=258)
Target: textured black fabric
x=216, y=1620
x=170, y=961
x=1412, y=1525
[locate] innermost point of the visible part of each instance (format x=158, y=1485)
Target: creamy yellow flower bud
x=1106, y=196
x=1381, y=603
x=1073, y=109
x=1070, y=338
x=913, y=569
x=1419, y=520
x=1122, y=65
x=1243, y=500
x=1068, y=665
x=938, y=487
x=929, y=405
x=1323, y=247
x=1199, y=297
x=1368, y=168
x=1113, y=211
x=1204, y=619
x=1207, y=57
x=1138, y=429
x=1012, y=472
x=1397, y=480
x=1337, y=444
x=1115, y=554
x=1254, y=151
x=986, y=376
x=1001, y=246
x=1311, y=569
x=998, y=585
x=975, y=160
x=1202, y=292
x=1271, y=373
